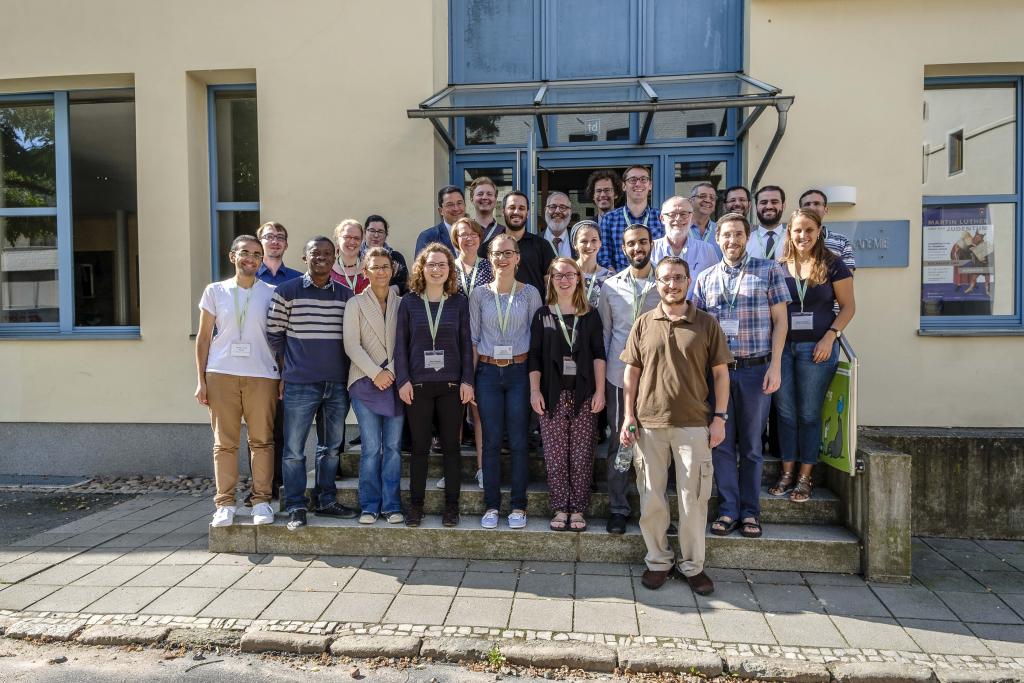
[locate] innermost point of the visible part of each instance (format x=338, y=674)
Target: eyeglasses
x=351, y=238
x=376, y=231
x=440, y=265
x=377, y=269
x=467, y=236
x=504, y=254
x=558, y=277
x=638, y=180
x=453, y=205
x=561, y=208
x=672, y=279
x=604, y=191
x=273, y=237
x=678, y=215
x=705, y=196
x=245, y=253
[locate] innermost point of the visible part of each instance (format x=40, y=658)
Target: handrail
x=847, y=349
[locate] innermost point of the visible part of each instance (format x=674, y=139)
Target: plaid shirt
x=613, y=227
x=840, y=246
x=763, y=285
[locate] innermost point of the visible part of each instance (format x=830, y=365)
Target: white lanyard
x=590, y=285
x=490, y=231
x=433, y=324
x=569, y=339
x=638, y=301
x=629, y=219
x=470, y=284
x=350, y=281
x=775, y=247
x=243, y=312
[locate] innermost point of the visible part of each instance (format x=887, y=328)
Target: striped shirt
x=613, y=228
x=483, y=319
x=841, y=246
x=761, y=284
x=305, y=325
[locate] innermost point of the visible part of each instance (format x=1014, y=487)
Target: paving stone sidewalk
x=145, y=562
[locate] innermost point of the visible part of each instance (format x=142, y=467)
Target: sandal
x=783, y=486
x=751, y=528
x=723, y=526
x=558, y=522
x=576, y=522
x=802, y=492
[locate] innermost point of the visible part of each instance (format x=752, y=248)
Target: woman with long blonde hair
x=567, y=369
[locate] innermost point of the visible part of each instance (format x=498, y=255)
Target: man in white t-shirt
x=239, y=379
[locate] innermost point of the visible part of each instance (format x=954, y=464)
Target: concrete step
x=538, y=471
x=822, y=508
x=789, y=547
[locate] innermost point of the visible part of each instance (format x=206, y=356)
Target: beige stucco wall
x=334, y=80
x=857, y=70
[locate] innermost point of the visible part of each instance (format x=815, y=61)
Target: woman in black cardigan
x=567, y=366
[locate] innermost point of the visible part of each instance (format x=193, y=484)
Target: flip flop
x=577, y=523
x=559, y=521
x=751, y=529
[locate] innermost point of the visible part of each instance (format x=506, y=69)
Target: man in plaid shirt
x=636, y=183
x=748, y=296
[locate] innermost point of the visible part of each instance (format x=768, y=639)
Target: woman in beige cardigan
x=370, y=321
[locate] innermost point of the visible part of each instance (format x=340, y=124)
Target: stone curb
x=456, y=649
x=979, y=676
x=587, y=656
x=123, y=635
x=280, y=641
x=772, y=669
x=24, y=630
x=369, y=647
x=646, y=659
x=203, y=637
x=880, y=672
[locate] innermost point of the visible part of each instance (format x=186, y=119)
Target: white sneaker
x=396, y=518
x=480, y=479
x=516, y=520
x=262, y=514
x=440, y=483
x=224, y=515
x=367, y=518
x=489, y=520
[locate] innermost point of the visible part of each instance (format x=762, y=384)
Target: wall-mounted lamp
x=841, y=195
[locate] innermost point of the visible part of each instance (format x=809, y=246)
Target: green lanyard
x=775, y=247
x=503, y=319
x=433, y=324
x=241, y=313
x=730, y=296
x=351, y=281
x=638, y=300
x=801, y=291
x=569, y=339
x=629, y=219
x=590, y=285
x=490, y=231
x=467, y=285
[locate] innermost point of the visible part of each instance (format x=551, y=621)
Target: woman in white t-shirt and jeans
x=239, y=379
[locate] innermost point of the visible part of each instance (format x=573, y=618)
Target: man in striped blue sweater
x=304, y=328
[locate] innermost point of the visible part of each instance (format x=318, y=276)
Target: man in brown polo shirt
x=669, y=352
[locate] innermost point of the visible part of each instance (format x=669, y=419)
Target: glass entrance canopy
x=648, y=96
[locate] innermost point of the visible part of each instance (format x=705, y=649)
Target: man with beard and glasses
x=672, y=422
x=625, y=296
x=737, y=200
x=535, y=253
x=766, y=240
x=636, y=183
x=557, y=214
x=603, y=190
x=676, y=215
x=704, y=198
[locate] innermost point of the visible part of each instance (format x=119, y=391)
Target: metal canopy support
x=749, y=121
x=646, y=129
x=445, y=135
x=543, y=129
x=782, y=107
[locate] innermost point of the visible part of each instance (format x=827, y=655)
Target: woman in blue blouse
x=500, y=315
x=817, y=279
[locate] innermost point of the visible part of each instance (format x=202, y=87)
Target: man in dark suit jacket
x=451, y=205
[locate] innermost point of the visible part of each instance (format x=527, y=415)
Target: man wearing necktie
x=557, y=214
x=769, y=204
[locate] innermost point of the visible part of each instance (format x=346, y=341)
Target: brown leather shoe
x=654, y=579
x=701, y=584
x=415, y=515
x=450, y=516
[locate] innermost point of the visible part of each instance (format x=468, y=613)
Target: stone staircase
x=797, y=537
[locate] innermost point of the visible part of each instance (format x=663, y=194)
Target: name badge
x=503, y=352
x=433, y=360
x=801, y=321
x=730, y=327
x=241, y=350
x=568, y=365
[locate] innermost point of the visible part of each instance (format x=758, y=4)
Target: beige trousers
x=689, y=447
x=232, y=398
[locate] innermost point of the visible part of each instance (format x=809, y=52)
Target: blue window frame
x=48, y=289
x=234, y=169
x=971, y=242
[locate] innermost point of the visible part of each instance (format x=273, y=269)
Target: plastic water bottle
x=624, y=458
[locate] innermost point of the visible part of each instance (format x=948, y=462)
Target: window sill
x=994, y=332
x=131, y=334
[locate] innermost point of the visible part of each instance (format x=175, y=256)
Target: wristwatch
x=724, y=416
x=839, y=333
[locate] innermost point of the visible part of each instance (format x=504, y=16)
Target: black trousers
x=435, y=403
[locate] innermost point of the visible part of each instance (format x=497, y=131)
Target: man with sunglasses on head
x=636, y=183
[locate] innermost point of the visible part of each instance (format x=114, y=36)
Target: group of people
x=681, y=332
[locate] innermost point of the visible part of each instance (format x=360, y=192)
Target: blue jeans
x=503, y=398
x=738, y=460
x=301, y=404
x=380, y=460
x=798, y=400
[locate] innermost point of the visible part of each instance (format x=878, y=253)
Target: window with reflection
x=236, y=177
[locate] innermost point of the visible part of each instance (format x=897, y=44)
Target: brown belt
x=503, y=363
